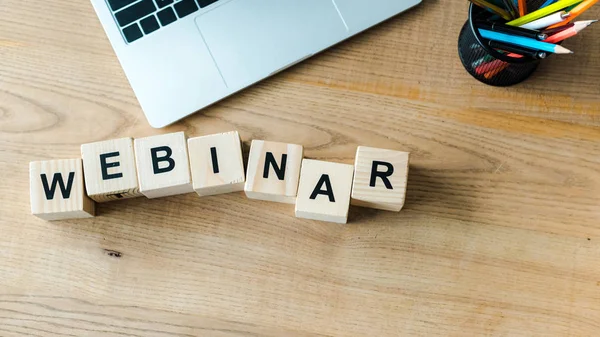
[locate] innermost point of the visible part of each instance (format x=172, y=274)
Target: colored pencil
x=540, y=13
x=518, y=31
x=558, y=29
x=581, y=8
x=522, y=8
x=493, y=8
x=546, y=21
x=484, y=68
x=512, y=10
x=523, y=42
x=565, y=34
x=547, y=3
x=516, y=51
x=493, y=73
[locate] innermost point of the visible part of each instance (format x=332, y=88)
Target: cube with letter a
x=273, y=171
x=380, y=178
x=324, y=191
x=216, y=163
x=162, y=165
x=109, y=169
x=57, y=190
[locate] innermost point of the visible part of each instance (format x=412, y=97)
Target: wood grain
x=500, y=234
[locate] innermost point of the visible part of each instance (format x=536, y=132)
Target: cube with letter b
x=57, y=190
x=216, y=163
x=109, y=169
x=273, y=171
x=162, y=165
x=380, y=178
x=324, y=191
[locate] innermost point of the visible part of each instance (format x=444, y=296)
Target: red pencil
x=567, y=33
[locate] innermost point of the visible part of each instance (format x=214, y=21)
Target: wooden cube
x=162, y=165
x=109, y=170
x=380, y=178
x=216, y=163
x=324, y=191
x=57, y=190
x=273, y=171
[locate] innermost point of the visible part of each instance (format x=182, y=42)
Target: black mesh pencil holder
x=490, y=65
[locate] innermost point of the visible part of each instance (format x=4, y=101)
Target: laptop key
x=132, y=33
x=185, y=8
x=115, y=5
x=149, y=24
x=135, y=12
x=166, y=16
x=163, y=3
x=204, y=3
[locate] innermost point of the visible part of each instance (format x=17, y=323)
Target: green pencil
x=540, y=13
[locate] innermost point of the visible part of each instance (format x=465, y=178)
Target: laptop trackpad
x=250, y=39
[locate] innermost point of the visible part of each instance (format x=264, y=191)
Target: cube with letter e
x=109, y=170
x=380, y=178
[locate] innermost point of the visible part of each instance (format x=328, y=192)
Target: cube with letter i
x=324, y=191
x=109, y=169
x=380, y=178
x=273, y=171
x=162, y=165
x=57, y=190
x=216, y=163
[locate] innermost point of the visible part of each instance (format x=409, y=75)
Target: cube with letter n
x=380, y=178
x=57, y=190
x=273, y=171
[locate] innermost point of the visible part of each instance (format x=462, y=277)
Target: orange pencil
x=522, y=8
x=496, y=71
x=575, y=12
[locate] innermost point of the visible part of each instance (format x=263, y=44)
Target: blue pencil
x=547, y=3
x=524, y=42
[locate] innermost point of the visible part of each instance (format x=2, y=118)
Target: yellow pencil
x=540, y=13
x=484, y=4
x=575, y=12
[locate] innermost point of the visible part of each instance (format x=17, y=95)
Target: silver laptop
x=183, y=55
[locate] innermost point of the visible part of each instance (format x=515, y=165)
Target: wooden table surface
x=500, y=234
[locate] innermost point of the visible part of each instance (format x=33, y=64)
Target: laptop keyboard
x=137, y=18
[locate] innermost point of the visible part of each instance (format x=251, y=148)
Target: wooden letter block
x=324, y=191
x=273, y=171
x=380, y=178
x=216, y=164
x=109, y=169
x=162, y=165
x=57, y=191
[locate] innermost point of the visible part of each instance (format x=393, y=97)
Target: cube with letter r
x=380, y=178
x=57, y=191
